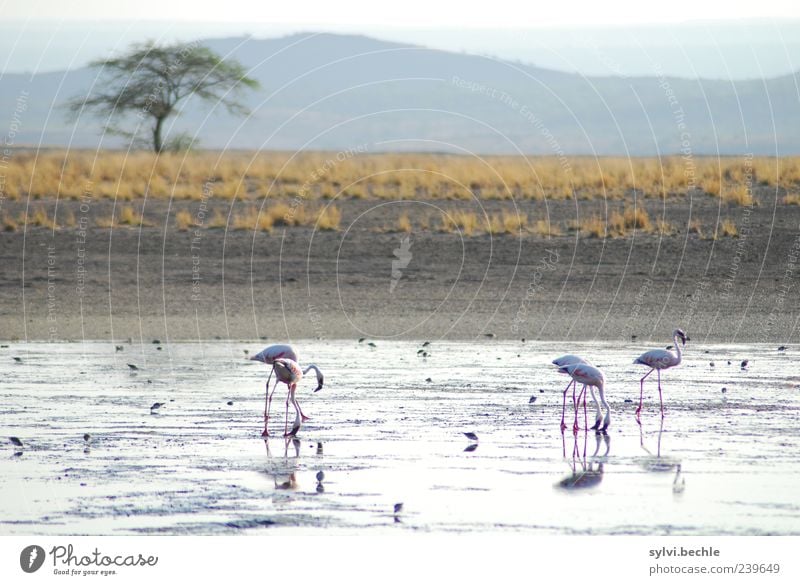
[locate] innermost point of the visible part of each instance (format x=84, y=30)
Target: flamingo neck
x=677, y=347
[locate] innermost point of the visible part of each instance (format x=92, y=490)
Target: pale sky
x=494, y=14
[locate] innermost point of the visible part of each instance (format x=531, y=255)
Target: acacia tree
x=145, y=87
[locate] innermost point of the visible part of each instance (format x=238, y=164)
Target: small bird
x=659, y=359
x=782, y=348
x=426, y=344
x=744, y=363
x=532, y=399
x=471, y=436
x=320, y=476
x=133, y=367
x=87, y=437
x=18, y=359
x=118, y=348
x=372, y=344
x=398, y=507
x=156, y=406
x=361, y=339
x=16, y=441
x=489, y=335
x=428, y=379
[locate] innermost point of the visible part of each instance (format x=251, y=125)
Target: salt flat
x=382, y=434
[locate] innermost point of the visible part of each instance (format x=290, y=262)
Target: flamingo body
x=657, y=360
x=592, y=377
x=566, y=360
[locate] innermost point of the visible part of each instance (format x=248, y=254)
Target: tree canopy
x=142, y=88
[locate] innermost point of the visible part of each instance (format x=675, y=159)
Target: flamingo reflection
x=585, y=474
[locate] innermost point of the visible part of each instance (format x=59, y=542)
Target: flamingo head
x=681, y=335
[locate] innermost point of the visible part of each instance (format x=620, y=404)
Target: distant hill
x=326, y=91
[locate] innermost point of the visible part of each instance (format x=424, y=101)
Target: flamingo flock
x=284, y=363
x=583, y=372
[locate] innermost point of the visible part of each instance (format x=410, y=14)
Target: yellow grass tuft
x=126, y=216
x=329, y=218
x=9, y=225
x=218, y=220
x=593, y=227
x=183, y=220
x=728, y=228
x=637, y=218
x=696, y=227
x=404, y=223
x=544, y=228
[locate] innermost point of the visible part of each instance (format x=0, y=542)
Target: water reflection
x=283, y=469
x=657, y=463
x=585, y=474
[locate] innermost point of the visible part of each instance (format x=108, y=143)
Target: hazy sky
x=497, y=13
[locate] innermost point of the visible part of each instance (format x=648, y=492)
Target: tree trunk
x=157, y=142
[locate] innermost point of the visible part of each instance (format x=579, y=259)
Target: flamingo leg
x=641, y=392
x=564, y=405
x=266, y=413
x=660, y=399
x=289, y=398
x=266, y=397
x=575, y=426
x=296, y=404
x=585, y=418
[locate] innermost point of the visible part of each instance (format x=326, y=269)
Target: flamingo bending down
x=590, y=376
x=288, y=372
x=268, y=355
x=660, y=359
x=567, y=360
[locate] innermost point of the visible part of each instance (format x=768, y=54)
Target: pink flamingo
x=268, y=355
x=288, y=372
x=660, y=359
x=567, y=360
x=592, y=377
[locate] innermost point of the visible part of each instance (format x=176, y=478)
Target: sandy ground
x=296, y=283
x=381, y=435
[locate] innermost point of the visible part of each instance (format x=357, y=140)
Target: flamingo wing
x=657, y=358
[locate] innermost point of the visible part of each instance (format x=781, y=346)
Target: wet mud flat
x=388, y=429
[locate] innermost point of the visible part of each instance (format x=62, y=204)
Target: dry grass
x=319, y=175
x=728, y=228
x=183, y=220
x=404, y=223
x=696, y=227
x=543, y=228
x=791, y=199
x=127, y=215
x=329, y=218
x=9, y=225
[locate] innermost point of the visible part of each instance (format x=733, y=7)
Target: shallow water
x=383, y=435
